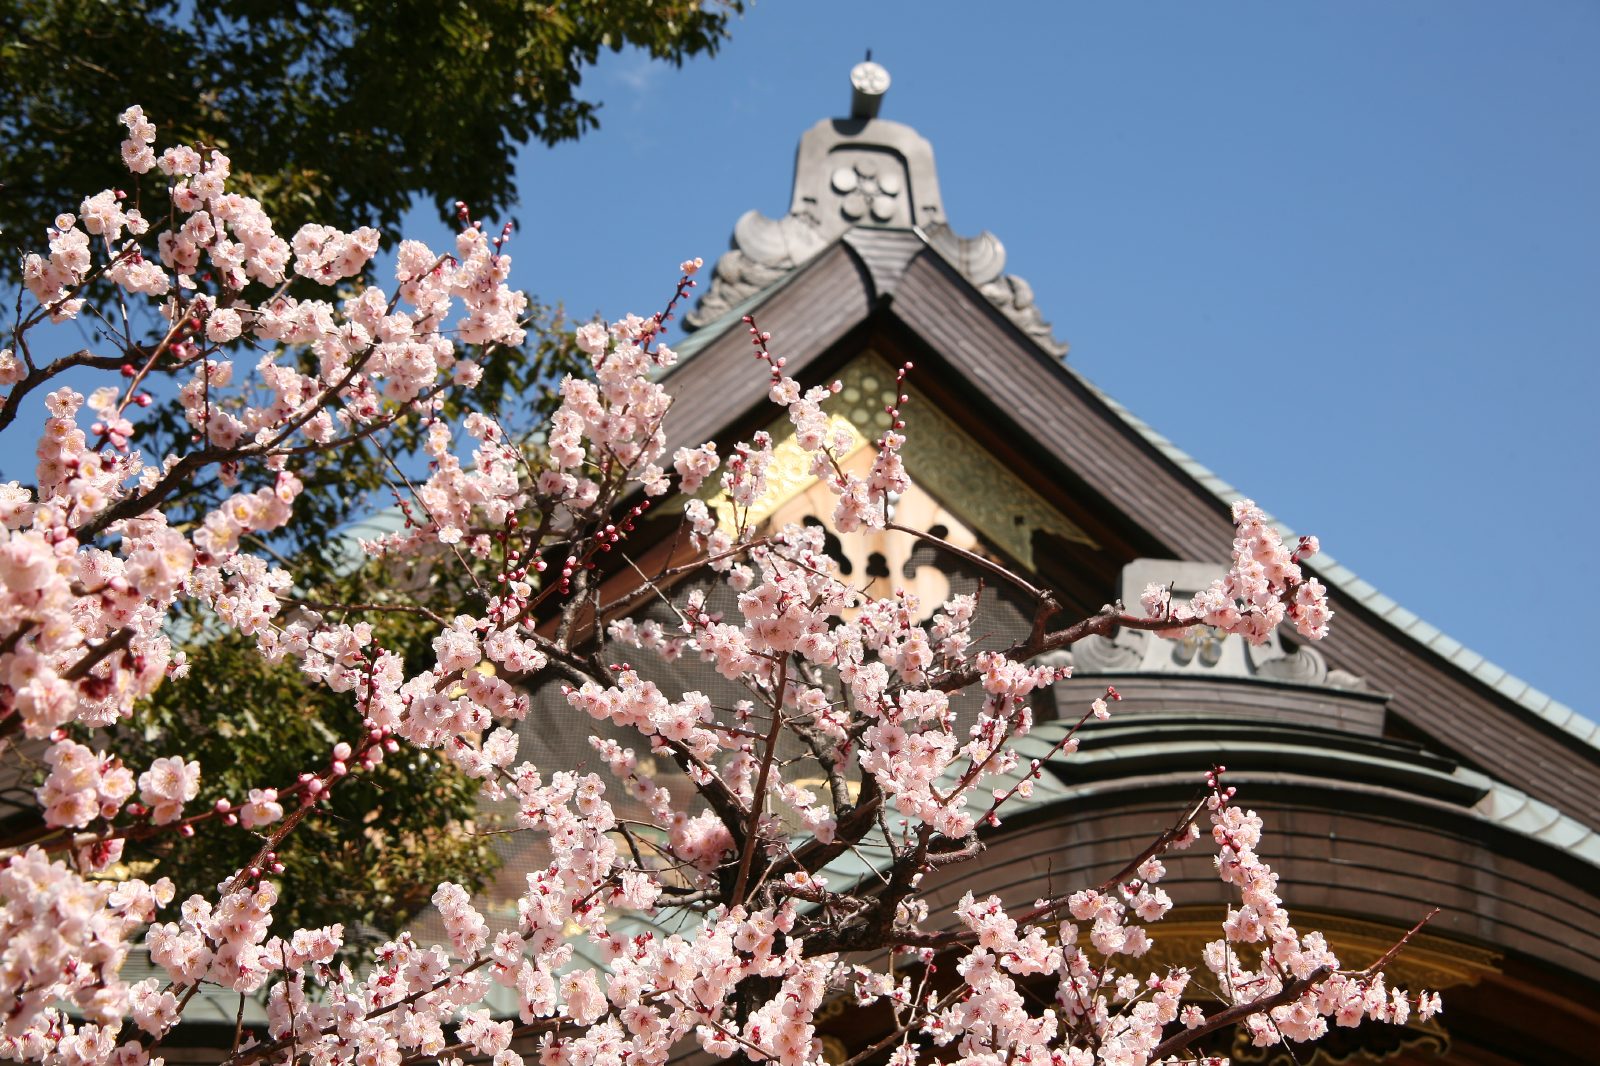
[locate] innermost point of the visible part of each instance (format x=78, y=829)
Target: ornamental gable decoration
x=863, y=172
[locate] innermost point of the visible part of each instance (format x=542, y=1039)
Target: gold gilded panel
x=978, y=490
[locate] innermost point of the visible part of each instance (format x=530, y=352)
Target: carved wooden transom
x=876, y=561
x=957, y=484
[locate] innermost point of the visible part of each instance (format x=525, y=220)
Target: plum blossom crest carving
x=863, y=172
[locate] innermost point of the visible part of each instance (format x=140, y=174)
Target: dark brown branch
x=758, y=803
x=575, y=600
x=1178, y=829
x=715, y=791
x=1103, y=622
x=873, y=926
x=1236, y=1014
x=37, y=377
x=854, y=823
x=185, y=469
x=900, y=1032
x=973, y=558
x=1388, y=956
x=114, y=643
x=628, y=600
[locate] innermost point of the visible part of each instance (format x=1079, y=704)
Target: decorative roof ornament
x=867, y=172
x=868, y=83
x=1202, y=650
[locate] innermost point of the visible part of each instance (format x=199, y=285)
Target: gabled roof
x=872, y=185
x=897, y=285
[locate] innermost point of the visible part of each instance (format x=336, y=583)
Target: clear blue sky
x=1347, y=256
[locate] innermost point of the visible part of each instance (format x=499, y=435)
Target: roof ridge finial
x=868, y=83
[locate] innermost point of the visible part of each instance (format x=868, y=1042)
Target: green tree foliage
x=338, y=111
x=252, y=724
x=342, y=112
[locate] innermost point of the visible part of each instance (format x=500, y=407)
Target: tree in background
x=334, y=111
x=372, y=860
x=684, y=897
x=329, y=111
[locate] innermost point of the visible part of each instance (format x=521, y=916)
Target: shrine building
x=1397, y=771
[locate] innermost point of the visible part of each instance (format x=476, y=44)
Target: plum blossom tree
x=762, y=936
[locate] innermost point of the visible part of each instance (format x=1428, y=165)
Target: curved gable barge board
x=807, y=316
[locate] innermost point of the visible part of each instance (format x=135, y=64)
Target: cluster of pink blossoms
x=1264, y=587
x=64, y=939
x=375, y=365
x=1285, y=955
x=83, y=785
x=735, y=846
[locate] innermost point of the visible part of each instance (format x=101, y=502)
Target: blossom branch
x=1232, y=1016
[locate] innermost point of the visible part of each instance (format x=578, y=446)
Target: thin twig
x=758, y=803
x=1236, y=1014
